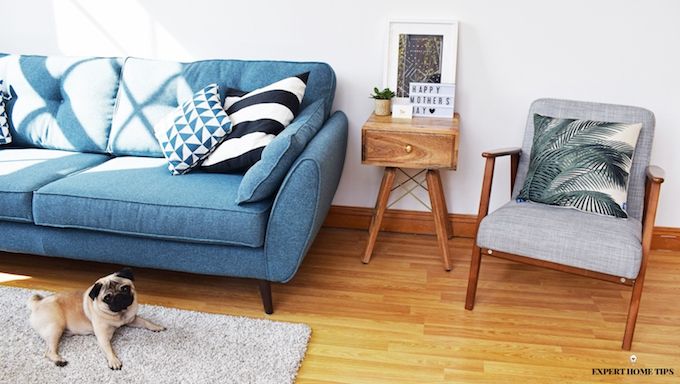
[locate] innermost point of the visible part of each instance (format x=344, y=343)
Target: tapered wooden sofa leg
x=473, y=278
x=266, y=294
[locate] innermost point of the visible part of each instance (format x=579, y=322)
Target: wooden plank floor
x=400, y=319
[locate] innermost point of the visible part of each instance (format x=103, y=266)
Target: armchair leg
x=266, y=294
x=473, y=278
x=632, y=314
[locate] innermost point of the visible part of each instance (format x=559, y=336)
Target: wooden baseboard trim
x=397, y=220
x=666, y=238
x=402, y=221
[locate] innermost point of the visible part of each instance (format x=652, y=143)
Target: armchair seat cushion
x=25, y=170
x=566, y=236
x=138, y=196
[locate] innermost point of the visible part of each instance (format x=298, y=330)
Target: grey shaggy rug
x=196, y=348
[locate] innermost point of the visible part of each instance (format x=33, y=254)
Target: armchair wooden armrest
x=655, y=174
x=514, y=153
x=502, y=152
x=490, y=156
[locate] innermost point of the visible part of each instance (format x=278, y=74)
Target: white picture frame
x=412, y=36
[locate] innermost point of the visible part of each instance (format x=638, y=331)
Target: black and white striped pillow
x=256, y=118
x=5, y=136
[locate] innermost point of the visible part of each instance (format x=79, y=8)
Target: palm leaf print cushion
x=582, y=164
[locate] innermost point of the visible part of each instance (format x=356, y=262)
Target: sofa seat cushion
x=566, y=236
x=137, y=196
x=25, y=170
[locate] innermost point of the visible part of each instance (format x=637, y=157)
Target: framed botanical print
x=420, y=52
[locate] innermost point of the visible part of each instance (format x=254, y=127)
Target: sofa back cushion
x=60, y=102
x=151, y=88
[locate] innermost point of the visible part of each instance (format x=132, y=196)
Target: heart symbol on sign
x=432, y=110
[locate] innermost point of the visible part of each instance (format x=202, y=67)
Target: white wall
x=509, y=53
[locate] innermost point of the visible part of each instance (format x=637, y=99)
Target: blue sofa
x=84, y=177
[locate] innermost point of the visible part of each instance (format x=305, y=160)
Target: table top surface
x=420, y=124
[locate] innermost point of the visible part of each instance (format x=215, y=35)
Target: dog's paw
x=115, y=364
x=156, y=328
x=56, y=359
x=61, y=363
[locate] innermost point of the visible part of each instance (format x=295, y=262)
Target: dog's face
x=115, y=292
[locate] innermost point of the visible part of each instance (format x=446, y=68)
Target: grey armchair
x=568, y=240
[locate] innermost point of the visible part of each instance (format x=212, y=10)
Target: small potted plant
x=383, y=101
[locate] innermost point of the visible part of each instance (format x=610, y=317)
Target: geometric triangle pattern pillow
x=581, y=164
x=193, y=130
x=5, y=137
x=256, y=117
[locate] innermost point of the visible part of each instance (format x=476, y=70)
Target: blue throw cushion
x=265, y=177
x=5, y=137
x=257, y=117
x=189, y=133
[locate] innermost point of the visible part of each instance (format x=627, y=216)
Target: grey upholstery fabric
x=600, y=112
x=566, y=236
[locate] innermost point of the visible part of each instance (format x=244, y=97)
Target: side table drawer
x=409, y=149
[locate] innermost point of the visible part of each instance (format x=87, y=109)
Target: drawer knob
x=408, y=148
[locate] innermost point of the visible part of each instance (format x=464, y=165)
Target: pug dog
x=108, y=304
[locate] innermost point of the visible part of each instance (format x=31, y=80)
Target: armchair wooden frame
x=655, y=176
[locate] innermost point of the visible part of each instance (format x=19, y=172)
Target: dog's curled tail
x=33, y=300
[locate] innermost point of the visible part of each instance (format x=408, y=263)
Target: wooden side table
x=421, y=143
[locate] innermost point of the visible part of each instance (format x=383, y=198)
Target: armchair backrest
x=599, y=112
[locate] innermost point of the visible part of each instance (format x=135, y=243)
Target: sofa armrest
x=301, y=205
